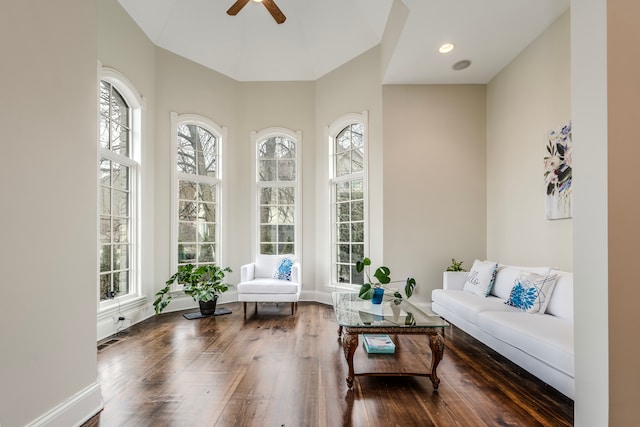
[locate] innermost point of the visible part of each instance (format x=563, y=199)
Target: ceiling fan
x=269, y=4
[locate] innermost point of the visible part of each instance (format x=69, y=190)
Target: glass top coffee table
x=395, y=317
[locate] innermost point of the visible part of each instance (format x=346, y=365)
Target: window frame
x=296, y=138
x=219, y=132
x=135, y=103
x=332, y=132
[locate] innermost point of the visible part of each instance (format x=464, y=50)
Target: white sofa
x=540, y=343
x=258, y=285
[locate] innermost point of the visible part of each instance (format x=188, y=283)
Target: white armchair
x=258, y=285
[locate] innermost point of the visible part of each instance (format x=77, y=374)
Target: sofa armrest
x=247, y=272
x=296, y=273
x=454, y=280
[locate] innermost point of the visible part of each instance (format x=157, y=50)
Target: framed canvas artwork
x=558, y=173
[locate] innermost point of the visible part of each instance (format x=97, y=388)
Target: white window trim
x=296, y=137
x=220, y=132
x=136, y=104
x=331, y=132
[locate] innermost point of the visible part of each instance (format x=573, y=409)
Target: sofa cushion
x=544, y=337
x=468, y=305
x=532, y=292
x=506, y=276
x=481, y=277
x=267, y=286
x=561, y=303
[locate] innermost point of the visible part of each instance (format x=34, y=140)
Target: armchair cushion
x=283, y=269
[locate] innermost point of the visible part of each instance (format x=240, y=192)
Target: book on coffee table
x=378, y=343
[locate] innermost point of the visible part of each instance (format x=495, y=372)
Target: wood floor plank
x=274, y=370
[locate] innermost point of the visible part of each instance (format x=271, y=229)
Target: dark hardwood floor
x=278, y=370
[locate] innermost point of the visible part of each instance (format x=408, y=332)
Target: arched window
x=118, y=172
x=278, y=191
x=197, y=190
x=348, y=142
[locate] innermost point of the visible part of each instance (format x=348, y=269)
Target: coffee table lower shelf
x=349, y=335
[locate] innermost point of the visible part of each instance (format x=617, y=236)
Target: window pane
x=268, y=249
x=356, y=278
x=120, y=230
x=186, y=253
x=357, y=210
x=121, y=283
x=119, y=109
x=343, y=192
x=105, y=201
x=343, y=273
x=120, y=176
x=268, y=196
x=287, y=170
x=285, y=233
x=105, y=258
x=105, y=285
x=207, y=212
x=120, y=203
x=357, y=190
x=343, y=233
x=268, y=214
x=186, y=157
x=187, y=190
x=207, y=192
x=104, y=132
x=286, y=195
x=206, y=254
x=187, y=211
x=120, y=257
x=342, y=212
x=119, y=140
x=357, y=252
x=343, y=254
x=286, y=215
x=267, y=170
x=206, y=232
x=286, y=248
x=268, y=233
x=343, y=164
x=105, y=230
x=357, y=160
x=357, y=232
x=186, y=232
x=267, y=149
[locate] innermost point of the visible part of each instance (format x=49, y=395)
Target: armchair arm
x=296, y=273
x=247, y=272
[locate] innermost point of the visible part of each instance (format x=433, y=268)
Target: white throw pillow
x=481, y=277
x=531, y=292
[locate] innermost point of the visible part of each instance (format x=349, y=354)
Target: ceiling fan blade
x=274, y=11
x=237, y=7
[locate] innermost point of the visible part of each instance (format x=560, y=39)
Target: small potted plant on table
x=375, y=290
x=204, y=284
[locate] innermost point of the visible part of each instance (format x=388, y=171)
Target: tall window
x=278, y=192
x=118, y=171
x=198, y=182
x=348, y=191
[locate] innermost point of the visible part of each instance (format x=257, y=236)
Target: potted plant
x=203, y=284
x=375, y=290
x=454, y=273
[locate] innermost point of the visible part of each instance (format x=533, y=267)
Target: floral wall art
x=558, y=173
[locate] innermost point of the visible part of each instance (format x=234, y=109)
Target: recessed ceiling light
x=461, y=65
x=446, y=48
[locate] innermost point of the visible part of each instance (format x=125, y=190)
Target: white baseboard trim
x=75, y=411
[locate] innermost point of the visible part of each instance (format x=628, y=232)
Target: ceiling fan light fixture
x=446, y=48
x=258, y=1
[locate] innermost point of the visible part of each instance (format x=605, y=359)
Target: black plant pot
x=208, y=308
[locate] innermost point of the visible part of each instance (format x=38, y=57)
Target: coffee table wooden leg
x=349, y=345
x=436, y=343
x=339, y=331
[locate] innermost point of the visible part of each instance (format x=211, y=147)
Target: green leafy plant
x=455, y=265
x=383, y=274
x=202, y=284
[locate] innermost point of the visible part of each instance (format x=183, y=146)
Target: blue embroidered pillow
x=531, y=292
x=283, y=270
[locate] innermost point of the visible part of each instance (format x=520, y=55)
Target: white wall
x=48, y=184
x=528, y=98
x=434, y=180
